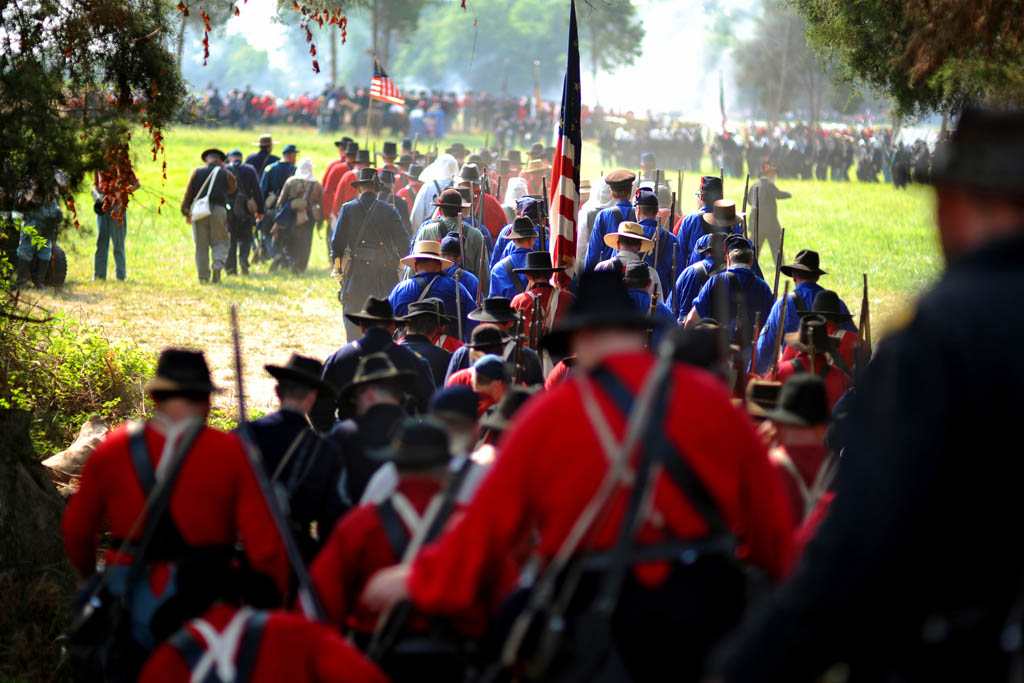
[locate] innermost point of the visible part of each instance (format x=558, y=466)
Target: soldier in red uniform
x=718, y=484
x=828, y=305
x=215, y=501
x=822, y=361
x=412, y=185
x=346, y=190
x=378, y=535
x=554, y=303
x=336, y=170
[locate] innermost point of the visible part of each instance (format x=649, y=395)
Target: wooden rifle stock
x=518, y=370
x=778, y=337
x=753, y=347
x=778, y=264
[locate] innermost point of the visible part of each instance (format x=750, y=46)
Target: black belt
x=197, y=552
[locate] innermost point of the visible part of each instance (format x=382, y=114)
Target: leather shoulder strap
x=516, y=282
x=250, y=646
x=798, y=302
x=144, y=471
x=426, y=289
x=397, y=535
x=188, y=647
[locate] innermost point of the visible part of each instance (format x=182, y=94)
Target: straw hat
x=428, y=250
x=633, y=231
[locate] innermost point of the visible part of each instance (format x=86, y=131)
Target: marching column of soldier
x=665, y=470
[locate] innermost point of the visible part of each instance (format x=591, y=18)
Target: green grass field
x=858, y=228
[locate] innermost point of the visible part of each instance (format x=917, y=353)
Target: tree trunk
x=375, y=28
x=181, y=40
x=782, y=73
x=333, y=38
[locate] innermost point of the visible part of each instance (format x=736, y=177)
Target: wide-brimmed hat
x=536, y=166
x=814, y=328
x=803, y=402
x=213, y=150
x=417, y=445
x=827, y=305
x=538, y=262
x=404, y=160
x=806, y=261
x=602, y=302
x=376, y=367
x=633, y=231
x=486, y=336
x=351, y=149
x=180, y=370
x=426, y=250
x=985, y=154
x=457, y=150
x=469, y=173
x=301, y=370
x=762, y=395
x=375, y=310
x=723, y=214
x=343, y=141
x=452, y=199
x=515, y=157
x=536, y=150
x=265, y=139
x=362, y=157
x=430, y=306
x=522, y=228
x=390, y=150
x=386, y=177
x=495, y=309
x=366, y=176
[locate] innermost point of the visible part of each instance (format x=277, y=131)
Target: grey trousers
x=211, y=238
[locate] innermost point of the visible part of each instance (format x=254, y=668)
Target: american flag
x=565, y=184
x=383, y=88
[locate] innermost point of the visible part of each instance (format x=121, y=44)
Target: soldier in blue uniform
x=620, y=184
x=805, y=271
x=368, y=242
x=308, y=467
x=690, y=281
x=692, y=226
x=526, y=206
x=422, y=320
x=915, y=573
x=387, y=195
x=665, y=243
x=743, y=290
x=637, y=279
x=504, y=280
x=263, y=158
x=497, y=310
x=430, y=279
x=452, y=250
x=377, y=324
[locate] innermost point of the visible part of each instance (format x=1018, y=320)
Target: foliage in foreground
x=33, y=619
x=63, y=371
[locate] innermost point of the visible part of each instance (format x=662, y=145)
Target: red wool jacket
x=553, y=443
x=216, y=501
x=291, y=649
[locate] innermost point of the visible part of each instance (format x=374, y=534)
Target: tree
x=776, y=64
x=76, y=79
x=201, y=16
x=924, y=55
x=611, y=34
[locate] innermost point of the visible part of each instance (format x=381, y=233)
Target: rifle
x=721, y=177
x=865, y=326
x=753, y=347
x=652, y=310
x=458, y=293
x=746, y=189
x=306, y=596
x=544, y=208
x=671, y=222
x=778, y=337
x=415, y=139
x=537, y=322
x=657, y=228
x=518, y=370
x=778, y=264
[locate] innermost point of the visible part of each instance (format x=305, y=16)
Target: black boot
x=216, y=275
x=23, y=270
x=39, y=273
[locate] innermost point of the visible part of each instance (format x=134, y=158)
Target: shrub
x=63, y=371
